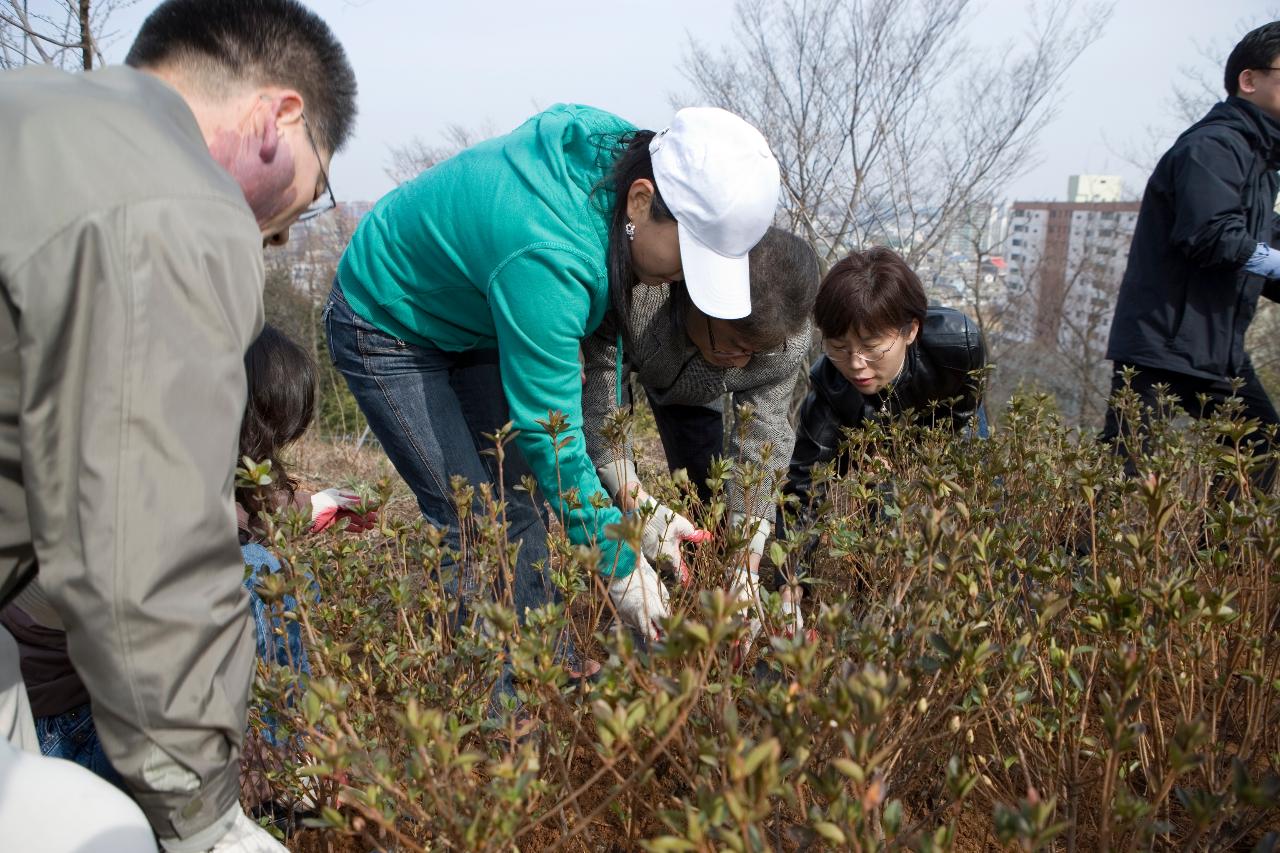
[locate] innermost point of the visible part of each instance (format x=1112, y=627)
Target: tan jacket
x=131, y=275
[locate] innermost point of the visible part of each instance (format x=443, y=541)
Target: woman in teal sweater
x=463, y=297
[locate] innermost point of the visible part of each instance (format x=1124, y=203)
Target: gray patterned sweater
x=672, y=371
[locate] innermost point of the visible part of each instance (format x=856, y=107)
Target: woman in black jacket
x=887, y=354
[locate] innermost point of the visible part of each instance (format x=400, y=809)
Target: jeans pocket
x=62, y=735
x=373, y=341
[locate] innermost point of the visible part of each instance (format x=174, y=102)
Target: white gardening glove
x=792, y=620
x=757, y=530
x=664, y=531
x=744, y=587
x=641, y=599
x=244, y=836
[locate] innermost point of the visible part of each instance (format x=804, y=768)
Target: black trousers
x=691, y=437
x=1188, y=390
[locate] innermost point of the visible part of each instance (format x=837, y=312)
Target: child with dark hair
x=281, y=381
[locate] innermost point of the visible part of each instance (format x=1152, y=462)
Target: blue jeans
x=71, y=735
x=981, y=428
x=291, y=652
x=430, y=410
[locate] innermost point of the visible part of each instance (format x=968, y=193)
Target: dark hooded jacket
x=937, y=385
x=1186, y=301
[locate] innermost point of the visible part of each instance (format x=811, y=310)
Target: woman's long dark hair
x=631, y=163
x=282, y=401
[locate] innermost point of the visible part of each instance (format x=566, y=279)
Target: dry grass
x=319, y=464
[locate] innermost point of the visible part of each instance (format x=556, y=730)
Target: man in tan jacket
x=136, y=204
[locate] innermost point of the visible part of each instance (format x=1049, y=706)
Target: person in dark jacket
x=1201, y=253
x=887, y=354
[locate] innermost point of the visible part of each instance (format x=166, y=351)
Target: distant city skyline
x=423, y=67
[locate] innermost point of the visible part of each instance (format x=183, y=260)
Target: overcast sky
x=424, y=64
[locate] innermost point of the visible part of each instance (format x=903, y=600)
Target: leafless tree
x=417, y=155
x=65, y=33
x=1198, y=87
x=990, y=302
x=1092, y=287
x=1053, y=334
x=1004, y=313
x=887, y=122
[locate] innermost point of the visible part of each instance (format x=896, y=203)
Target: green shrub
x=1017, y=646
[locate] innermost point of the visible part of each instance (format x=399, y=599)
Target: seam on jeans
x=400, y=419
x=47, y=735
x=328, y=330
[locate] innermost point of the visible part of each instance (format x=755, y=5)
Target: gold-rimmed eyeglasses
x=871, y=355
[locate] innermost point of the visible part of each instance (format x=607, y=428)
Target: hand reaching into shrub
x=641, y=599
x=329, y=506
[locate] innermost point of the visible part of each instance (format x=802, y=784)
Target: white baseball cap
x=720, y=180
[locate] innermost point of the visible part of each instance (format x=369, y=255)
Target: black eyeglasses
x=322, y=204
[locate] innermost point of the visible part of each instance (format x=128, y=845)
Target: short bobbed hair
x=869, y=293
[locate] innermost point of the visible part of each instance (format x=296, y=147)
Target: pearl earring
x=631, y=230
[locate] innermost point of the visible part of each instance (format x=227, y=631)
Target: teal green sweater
x=504, y=246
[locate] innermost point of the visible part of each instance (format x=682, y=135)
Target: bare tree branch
x=416, y=156
x=67, y=33
x=850, y=95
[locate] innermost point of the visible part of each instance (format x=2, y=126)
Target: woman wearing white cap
x=462, y=300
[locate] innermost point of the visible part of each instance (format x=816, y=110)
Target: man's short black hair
x=1258, y=49
x=260, y=42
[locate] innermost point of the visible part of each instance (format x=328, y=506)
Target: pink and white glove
x=329, y=505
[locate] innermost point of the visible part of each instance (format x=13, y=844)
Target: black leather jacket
x=935, y=385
